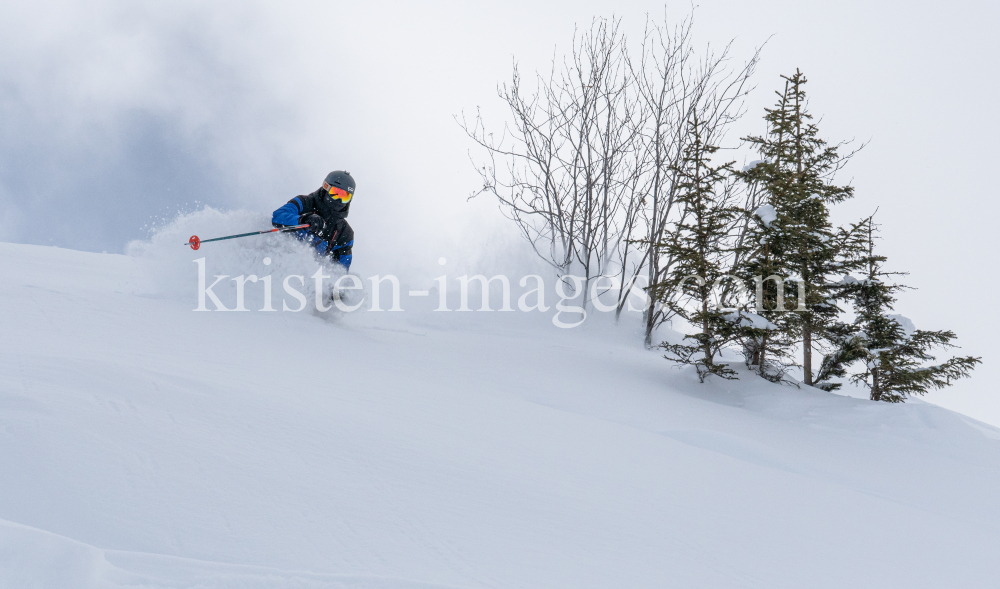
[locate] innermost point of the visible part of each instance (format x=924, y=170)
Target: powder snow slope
x=144, y=445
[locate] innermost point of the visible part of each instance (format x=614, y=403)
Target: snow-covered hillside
x=146, y=445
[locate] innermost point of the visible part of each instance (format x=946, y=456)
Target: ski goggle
x=338, y=193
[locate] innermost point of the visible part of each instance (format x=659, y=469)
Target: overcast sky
x=115, y=115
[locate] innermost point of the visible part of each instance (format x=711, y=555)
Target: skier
x=325, y=211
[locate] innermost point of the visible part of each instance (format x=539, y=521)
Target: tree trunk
x=760, y=355
x=706, y=329
x=807, y=356
x=650, y=318
x=876, y=387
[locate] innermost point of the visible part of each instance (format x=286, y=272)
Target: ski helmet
x=341, y=179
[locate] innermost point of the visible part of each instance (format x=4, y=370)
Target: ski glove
x=315, y=223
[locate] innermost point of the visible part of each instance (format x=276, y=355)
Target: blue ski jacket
x=337, y=238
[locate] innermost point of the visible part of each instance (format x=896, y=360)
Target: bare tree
x=676, y=86
x=564, y=154
x=587, y=167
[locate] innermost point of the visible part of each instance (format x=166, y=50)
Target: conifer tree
x=890, y=352
x=763, y=325
x=698, y=246
x=800, y=243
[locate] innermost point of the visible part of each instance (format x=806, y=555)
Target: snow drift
x=147, y=445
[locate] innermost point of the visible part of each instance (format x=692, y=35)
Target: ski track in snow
x=144, y=445
x=81, y=565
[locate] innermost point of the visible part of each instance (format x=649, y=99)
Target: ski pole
x=195, y=242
